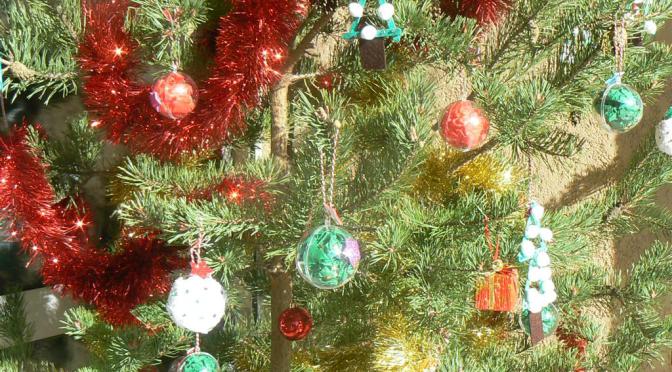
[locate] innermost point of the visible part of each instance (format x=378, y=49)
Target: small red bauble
x=174, y=95
x=295, y=323
x=464, y=126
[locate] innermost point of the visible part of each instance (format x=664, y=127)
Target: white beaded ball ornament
x=196, y=303
x=664, y=135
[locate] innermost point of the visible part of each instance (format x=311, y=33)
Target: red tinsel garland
x=252, y=46
x=114, y=283
x=57, y=233
x=484, y=11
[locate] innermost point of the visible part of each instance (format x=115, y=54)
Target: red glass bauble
x=295, y=323
x=174, y=95
x=464, y=126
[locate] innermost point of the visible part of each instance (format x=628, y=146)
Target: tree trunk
x=281, y=280
x=281, y=299
x=279, y=127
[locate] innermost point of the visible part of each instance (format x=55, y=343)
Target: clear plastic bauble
x=196, y=303
x=174, y=95
x=550, y=318
x=328, y=257
x=195, y=362
x=621, y=107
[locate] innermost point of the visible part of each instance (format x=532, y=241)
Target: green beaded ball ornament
x=550, y=317
x=621, y=107
x=199, y=362
x=328, y=258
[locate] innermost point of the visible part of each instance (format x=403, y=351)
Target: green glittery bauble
x=328, y=258
x=621, y=107
x=199, y=362
x=550, y=317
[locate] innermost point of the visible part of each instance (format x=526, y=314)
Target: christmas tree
x=346, y=186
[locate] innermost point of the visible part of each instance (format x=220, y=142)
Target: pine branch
x=300, y=50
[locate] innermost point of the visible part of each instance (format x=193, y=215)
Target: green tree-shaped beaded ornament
x=385, y=12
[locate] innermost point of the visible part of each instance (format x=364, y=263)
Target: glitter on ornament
x=464, y=126
x=295, y=323
x=328, y=258
x=174, y=95
x=621, y=107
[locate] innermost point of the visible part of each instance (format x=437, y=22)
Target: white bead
x=544, y=273
x=527, y=248
x=535, y=308
x=543, y=259
x=369, y=32
x=549, y=297
x=664, y=136
x=546, y=234
x=386, y=11
x=547, y=286
x=534, y=274
x=196, y=304
x=356, y=10
x=537, y=212
x=534, y=300
x=532, y=232
x=650, y=27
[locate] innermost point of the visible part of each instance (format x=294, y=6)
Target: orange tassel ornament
x=498, y=290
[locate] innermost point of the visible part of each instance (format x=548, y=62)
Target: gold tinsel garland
x=442, y=180
x=399, y=345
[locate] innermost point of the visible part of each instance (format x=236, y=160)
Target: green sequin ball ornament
x=550, y=317
x=199, y=362
x=328, y=258
x=621, y=108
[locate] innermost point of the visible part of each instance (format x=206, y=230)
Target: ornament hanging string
x=620, y=43
x=195, y=254
x=529, y=176
x=488, y=239
x=328, y=199
x=195, y=250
